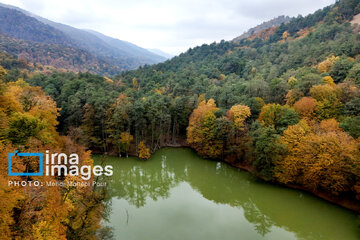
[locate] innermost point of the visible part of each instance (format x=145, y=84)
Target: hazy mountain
x=114, y=53
x=128, y=48
x=161, y=53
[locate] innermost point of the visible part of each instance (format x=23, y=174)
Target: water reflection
x=264, y=206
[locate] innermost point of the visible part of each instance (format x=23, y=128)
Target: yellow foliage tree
x=10, y=196
x=32, y=104
x=238, y=114
x=328, y=100
x=322, y=92
x=201, y=130
x=135, y=83
x=326, y=65
x=125, y=140
x=108, y=80
x=143, y=151
x=329, y=80
x=292, y=81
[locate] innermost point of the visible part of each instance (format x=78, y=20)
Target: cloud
x=260, y=9
x=171, y=26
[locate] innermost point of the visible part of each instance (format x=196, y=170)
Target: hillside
x=20, y=26
x=58, y=56
x=118, y=55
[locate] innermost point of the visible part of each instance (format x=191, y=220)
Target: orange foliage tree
x=306, y=107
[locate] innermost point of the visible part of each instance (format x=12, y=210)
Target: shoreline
x=347, y=203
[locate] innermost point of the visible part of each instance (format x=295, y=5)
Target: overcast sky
x=170, y=25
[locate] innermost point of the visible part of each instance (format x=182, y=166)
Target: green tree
x=352, y=108
x=277, y=116
x=340, y=69
x=267, y=149
x=22, y=126
x=352, y=126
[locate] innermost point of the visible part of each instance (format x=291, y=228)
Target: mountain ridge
x=21, y=24
x=275, y=22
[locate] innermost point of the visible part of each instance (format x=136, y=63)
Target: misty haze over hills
x=87, y=49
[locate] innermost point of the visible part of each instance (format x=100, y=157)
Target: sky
x=172, y=26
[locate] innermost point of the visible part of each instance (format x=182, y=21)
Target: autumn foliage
x=305, y=107
x=238, y=114
x=320, y=157
x=217, y=136
x=28, y=123
x=328, y=100
x=298, y=143
x=327, y=64
x=201, y=130
x=293, y=96
x=143, y=152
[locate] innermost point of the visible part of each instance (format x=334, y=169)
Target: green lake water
x=178, y=195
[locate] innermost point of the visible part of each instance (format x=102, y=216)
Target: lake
x=178, y=195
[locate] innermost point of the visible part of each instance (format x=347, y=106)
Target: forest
x=286, y=107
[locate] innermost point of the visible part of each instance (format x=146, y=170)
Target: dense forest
x=285, y=106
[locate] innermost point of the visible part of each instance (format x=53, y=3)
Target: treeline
x=97, y=111
x=28, y=120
